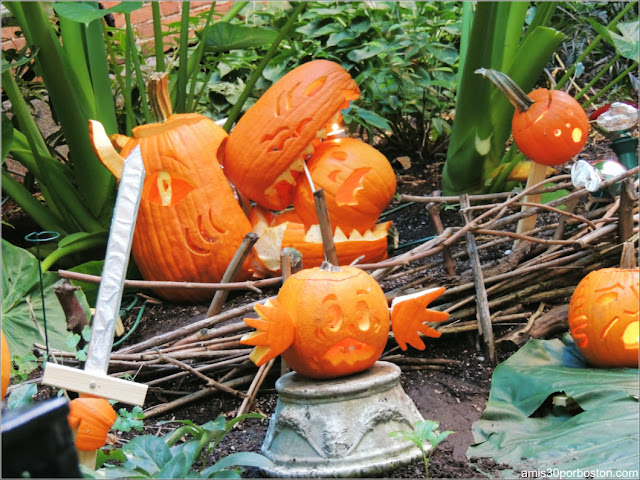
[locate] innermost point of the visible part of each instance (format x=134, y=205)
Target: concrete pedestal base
x=340, y=427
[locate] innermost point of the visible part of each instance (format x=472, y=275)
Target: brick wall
x=141, y=20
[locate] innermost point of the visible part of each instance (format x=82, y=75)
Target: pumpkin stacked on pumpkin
x=190, y=224
x=265, y=157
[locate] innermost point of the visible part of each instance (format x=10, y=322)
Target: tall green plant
x=483, y=119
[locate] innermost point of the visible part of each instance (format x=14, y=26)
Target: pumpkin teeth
x=355, y=235
x=339, y=236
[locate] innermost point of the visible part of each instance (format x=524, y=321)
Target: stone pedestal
x=340, y=427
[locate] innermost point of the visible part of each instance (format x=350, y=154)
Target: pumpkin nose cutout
x=346, y=194
x=363, y=316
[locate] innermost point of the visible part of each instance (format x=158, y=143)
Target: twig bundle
x=576, y=235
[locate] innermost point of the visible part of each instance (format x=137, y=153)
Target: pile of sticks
x=540, y=268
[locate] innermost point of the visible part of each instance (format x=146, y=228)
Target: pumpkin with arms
x=603, y=317
x=332, y=321
x=189, y=223
x=266, y=150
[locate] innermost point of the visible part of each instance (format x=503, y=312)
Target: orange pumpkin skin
x=603, y=317
x=6, y=365
x=92, y=418
x=358, y=183
x=553, y=130
x=266, y=149
x=341, y=321
x=189, y=224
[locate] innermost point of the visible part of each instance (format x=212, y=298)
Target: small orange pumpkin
x=329, y=322
x=6, y=365
x=358, y=183
x=266, y=150
x=603, y=317
x=553, y=130
x=91, y=418
x=287, y=230
x=189, y=223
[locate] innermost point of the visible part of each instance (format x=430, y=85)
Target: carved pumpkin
x=6, y=365
x=189, y=223
x=287, y=230
x=266, y=150
x=603, y=317
x=91, y=418
x=358, y=183
x=329, y=322
x=553, y=130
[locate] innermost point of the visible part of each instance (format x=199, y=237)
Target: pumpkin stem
x=159, y=97
x=329, y=267
x=508, y=87
x=628, y=257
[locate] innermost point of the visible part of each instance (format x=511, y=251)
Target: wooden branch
x=193, y=397
x=434, y=213
x=209, y=381
x=628, y=200
x=255, y=386
x=484, y=317
x=248, y=285
x=231, y=272
x=326, y=230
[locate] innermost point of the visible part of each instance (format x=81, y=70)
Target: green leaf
x=374, y=120
x=177, y=467
x=22, y=396
x=147, y=453
x=371, y=49
x=21, y=287
x=7, y=136
x=85, y=12
x=245, y=459
x=222, y=37
x=602, y=435
x=627, y=43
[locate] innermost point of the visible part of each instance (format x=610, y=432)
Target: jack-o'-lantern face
x=603, y=317
x=358, y=182
x=341, y=321
x=189, y=224
x=265, y=153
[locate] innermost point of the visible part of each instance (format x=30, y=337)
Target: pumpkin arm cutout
x=274, y=332
x=409, y=313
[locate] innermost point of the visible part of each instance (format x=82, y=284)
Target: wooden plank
x=77, y=380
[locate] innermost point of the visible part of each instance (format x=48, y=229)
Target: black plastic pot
x=37, y=442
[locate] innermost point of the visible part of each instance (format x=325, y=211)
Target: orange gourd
x=266, y=150
x=358, y=183
x=91, y=418
x=189, y=223
x=603, y=317
x=553, y=130
x=330, y=322
x=6, y=365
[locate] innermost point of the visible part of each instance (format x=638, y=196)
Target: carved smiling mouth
x=286, y=180
x=348, y=351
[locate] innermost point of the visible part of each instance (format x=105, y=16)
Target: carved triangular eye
x=163, y=188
